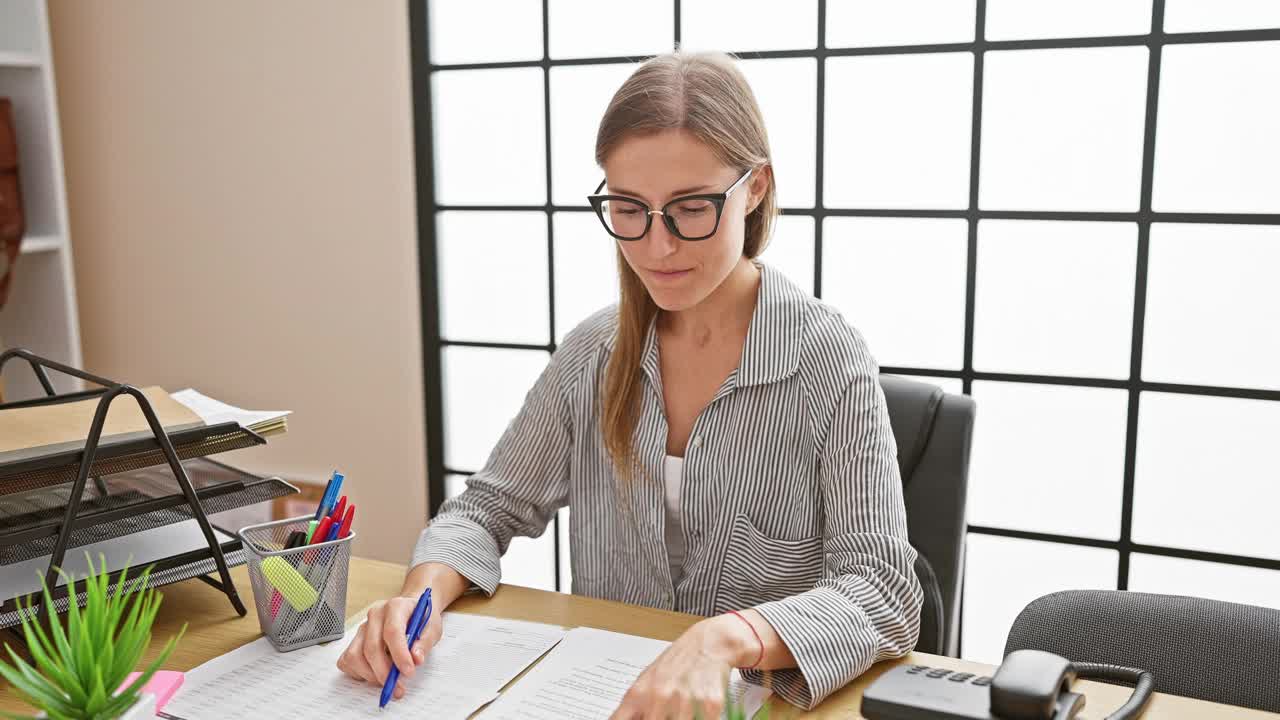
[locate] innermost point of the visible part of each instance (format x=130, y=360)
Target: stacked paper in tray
x=46, y=429
x=264, y=422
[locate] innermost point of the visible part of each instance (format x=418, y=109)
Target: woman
x=720, y=436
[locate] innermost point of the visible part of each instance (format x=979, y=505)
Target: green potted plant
x=79, y=663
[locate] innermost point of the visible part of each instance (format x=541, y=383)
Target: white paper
x=475, y=657
x=136, y=551
x=214, y=412
x=587, y=675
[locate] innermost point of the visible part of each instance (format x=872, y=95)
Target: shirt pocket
x=758, y=568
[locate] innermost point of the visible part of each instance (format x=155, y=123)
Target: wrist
x=446, y=584
x=731, y=639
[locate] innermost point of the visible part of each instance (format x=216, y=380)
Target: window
x=1069, y=210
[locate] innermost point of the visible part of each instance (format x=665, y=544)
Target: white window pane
x=787, y=92
x=462, y=31
x=1031, y=315
x=1206, y=476
x=901, y=282
x=863, y=23
x=897, y=131
x=1197, y=578
x=1003, y=576
x=1198, y=15
x=579, y=96
x=609, y=28
x=1062, y=129
x=566, y=568
x=481, y=156
x=531, y=562
x=1217, y=148
x=483, y=390
x=950, y=385
x=791, y=250
x=742, y=25
x=586, y=260
x=1048, y=458
x=1214, y=285
x=454, y=484
x=1023, y=19
x=493, y=276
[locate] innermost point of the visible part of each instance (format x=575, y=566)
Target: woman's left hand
x=689, y=677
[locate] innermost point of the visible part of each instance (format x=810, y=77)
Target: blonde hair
x=706, y=95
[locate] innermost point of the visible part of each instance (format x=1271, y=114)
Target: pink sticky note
x=163, y=685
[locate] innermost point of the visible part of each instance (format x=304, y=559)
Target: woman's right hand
x=381, y=641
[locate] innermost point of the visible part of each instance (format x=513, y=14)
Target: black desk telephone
x=1029, y=685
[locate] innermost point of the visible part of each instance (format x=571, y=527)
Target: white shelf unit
x=41, y=313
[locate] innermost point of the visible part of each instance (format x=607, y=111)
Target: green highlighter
x=295, y=588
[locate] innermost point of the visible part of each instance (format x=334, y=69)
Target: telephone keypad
x=914, y=692
x=955, y=675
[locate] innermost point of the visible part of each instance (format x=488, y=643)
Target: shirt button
x=697, y=442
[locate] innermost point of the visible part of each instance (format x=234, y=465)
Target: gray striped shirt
x=791, y=497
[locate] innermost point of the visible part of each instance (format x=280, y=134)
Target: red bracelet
x=760, y=658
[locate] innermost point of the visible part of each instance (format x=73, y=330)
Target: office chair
x=1206, y=649
x=934, y=431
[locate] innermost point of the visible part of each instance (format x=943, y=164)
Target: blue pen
x=417, y=621
x=330, y=496
x=324, y=497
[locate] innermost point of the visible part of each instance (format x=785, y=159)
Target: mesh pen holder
x=300, y=593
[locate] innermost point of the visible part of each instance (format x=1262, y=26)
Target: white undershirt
x=673, y=472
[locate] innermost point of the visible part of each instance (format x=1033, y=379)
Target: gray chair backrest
x=1207, y=649
x=934, y=431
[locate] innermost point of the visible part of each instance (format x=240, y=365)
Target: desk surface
x=219, y=630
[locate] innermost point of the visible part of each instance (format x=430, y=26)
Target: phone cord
x=1144, y=683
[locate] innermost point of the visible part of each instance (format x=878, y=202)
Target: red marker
x=345, y=529
x=322, y=530
x=339, y=509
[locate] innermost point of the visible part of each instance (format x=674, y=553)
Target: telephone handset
x=1029, y=685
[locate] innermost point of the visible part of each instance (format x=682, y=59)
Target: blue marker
x=417, y=622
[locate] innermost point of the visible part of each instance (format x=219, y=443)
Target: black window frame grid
x=434, y=344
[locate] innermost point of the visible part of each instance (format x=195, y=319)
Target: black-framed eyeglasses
x=691, y=217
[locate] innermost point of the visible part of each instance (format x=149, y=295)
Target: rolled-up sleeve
x=867, y=606
x=521, y=486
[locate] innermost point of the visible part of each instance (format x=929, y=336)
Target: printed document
x=585, y=677
x=474, y=659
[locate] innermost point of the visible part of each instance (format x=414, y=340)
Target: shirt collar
x=774, y=337
x=776, y=334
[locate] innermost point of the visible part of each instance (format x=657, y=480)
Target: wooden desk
x=215, y=629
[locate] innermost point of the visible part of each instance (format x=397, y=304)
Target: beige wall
x=240, y=178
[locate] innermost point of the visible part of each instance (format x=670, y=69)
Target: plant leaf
x=59, y=637
x=97, y=695
x=132, y=639
x=42, y=651
x=31, y=684
x=58, y=674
